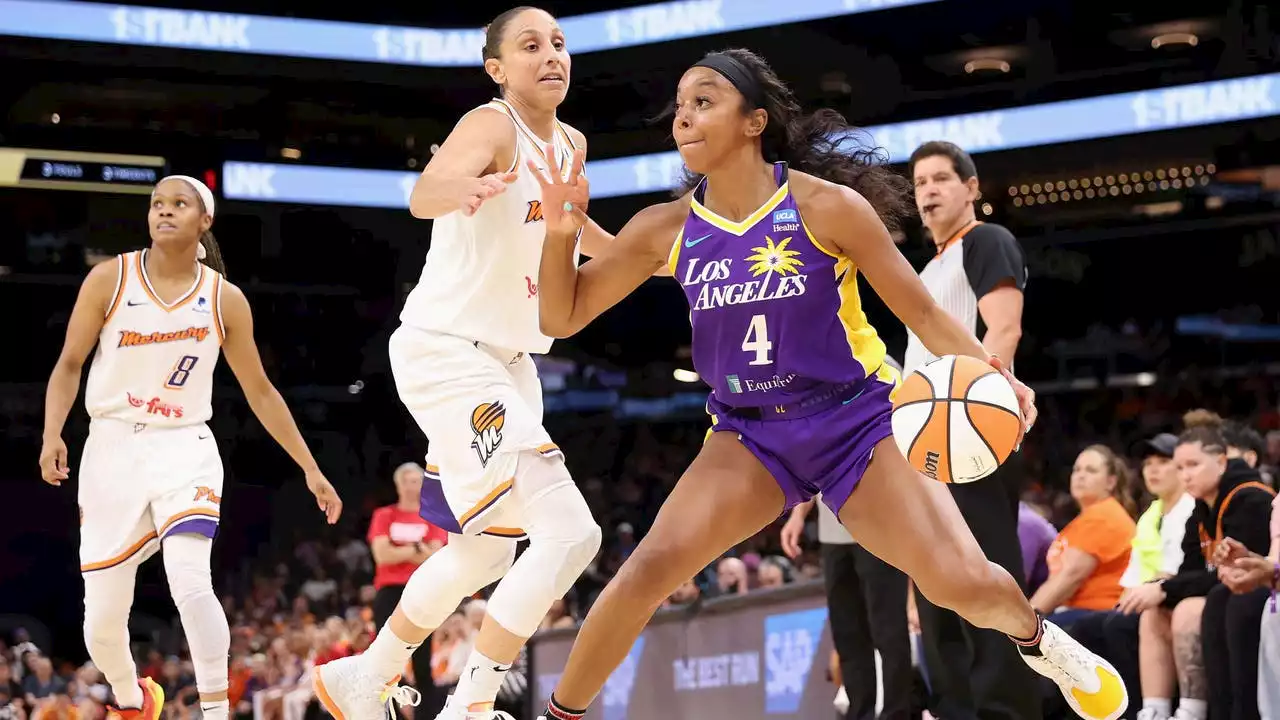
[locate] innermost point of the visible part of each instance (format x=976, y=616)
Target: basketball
x=956, y=419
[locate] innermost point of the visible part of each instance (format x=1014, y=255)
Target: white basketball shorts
x=140, y=484
x=480, y=408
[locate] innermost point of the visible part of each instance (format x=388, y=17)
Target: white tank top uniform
x=461, y=355
x=150, y=465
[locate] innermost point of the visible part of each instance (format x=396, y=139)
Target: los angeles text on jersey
x=133, y=338
x=772, y=286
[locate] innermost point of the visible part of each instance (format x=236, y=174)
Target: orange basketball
x=956, y=419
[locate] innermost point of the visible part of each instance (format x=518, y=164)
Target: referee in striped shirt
x=978, y=275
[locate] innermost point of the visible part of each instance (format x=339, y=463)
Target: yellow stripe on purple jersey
x=776, y=316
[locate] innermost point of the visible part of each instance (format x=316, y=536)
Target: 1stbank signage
x=1051, y=123
x=431, y=47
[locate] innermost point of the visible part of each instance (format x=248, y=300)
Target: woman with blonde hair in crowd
x=1091, y=553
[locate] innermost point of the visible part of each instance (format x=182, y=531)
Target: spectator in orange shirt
x=400, y=541
x=1091, y=553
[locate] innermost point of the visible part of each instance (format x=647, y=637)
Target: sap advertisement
x=1034, y=125
x=429, y=47
x=766, y=657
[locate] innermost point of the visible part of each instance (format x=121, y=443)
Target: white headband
x=206, y=197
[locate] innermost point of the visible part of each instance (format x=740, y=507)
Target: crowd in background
x=308, y=600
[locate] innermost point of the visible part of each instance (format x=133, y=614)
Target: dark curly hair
x=822, y=144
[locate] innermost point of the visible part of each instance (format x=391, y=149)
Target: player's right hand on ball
x=53, y=461
x=476, y=190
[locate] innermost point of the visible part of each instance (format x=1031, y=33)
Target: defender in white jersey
x=150, y=477
x=462, y=365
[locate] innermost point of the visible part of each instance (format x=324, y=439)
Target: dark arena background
x=1131, y=147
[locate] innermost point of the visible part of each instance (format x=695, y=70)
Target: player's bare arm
x=840, y=216
x=469, y=168
x=570, y=297
x=265, y=400
x=87, y=318
x=595, y=239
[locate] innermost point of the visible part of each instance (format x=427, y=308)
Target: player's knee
x=960, y=581
x=457, y=570
x=583, y=544
x=187, y=566
x=108, y=595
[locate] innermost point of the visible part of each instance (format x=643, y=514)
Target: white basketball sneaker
x=459, y=711
x=350, y=692
x=1090, y=684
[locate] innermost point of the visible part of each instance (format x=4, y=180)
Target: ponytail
x=212, y=253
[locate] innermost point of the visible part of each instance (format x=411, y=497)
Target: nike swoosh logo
x=135, y=304
x=202, y=437
x=691, y=243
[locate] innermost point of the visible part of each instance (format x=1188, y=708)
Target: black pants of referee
x=867, y=604
x=433, y=698
x=975, y=673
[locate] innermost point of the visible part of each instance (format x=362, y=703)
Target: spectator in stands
x=11, y=700
x=1245, y=571
x=1230, y=502
x=1156, y=553
x=41, y=683
x=772, y=573
x=1089, y=556
x=732, y=577
x=400, y=541
x=1036, y=535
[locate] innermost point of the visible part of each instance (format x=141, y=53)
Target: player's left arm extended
x=266, y=402
x=840, y=216
x=595, y=241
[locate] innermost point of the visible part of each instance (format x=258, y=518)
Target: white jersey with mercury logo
x=154, y=362
x=480, y=280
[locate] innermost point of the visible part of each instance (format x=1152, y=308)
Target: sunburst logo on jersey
x=774, y=258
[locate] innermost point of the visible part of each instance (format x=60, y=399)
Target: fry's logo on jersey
x=487, y=420
x=535, y=212
x=156, y=406
x=132, y=338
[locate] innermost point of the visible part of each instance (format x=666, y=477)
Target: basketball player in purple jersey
x=768, y=244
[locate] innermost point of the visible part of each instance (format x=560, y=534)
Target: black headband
x=738, y=76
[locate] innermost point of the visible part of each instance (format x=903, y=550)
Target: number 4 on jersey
x=757, y=341
x=181, y=372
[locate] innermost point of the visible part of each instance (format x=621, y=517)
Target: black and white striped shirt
x=975, y=261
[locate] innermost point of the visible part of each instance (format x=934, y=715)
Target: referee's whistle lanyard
x=958, y=234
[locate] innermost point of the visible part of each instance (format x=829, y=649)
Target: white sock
x=388, y=654
x=1162, y=706
x=1198, y=709
x=219, y=710
x=480, y=681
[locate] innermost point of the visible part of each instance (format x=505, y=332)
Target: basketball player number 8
x=181, y=372
x=757, y=341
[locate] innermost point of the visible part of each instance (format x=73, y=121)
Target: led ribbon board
x=79, y=171
x=430, y=47
x=1184, y=106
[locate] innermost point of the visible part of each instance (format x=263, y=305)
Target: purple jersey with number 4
x=780, y=336
x=776, y=316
